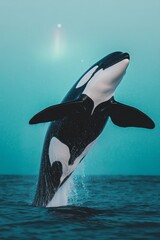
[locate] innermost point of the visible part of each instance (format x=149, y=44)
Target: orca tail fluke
x=126, y=116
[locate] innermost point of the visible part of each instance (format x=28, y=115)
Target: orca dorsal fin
x=126, y=116
x=58, y=111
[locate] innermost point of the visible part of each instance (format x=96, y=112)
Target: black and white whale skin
x=78, y=121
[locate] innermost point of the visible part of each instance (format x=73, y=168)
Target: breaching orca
x=79, y=120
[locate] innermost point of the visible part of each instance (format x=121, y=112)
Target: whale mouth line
x=125, y=56
x=113, y=59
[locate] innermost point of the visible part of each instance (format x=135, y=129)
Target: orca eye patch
x=86, y=77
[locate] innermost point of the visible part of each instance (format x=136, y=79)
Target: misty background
x=45, y=46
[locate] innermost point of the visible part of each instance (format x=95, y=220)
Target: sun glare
x=58, y=42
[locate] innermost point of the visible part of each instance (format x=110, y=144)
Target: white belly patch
x=59, y=151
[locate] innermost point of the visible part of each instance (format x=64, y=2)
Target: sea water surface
x=100, y=207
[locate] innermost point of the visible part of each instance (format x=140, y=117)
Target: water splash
x=79, y=192
x=68, y=194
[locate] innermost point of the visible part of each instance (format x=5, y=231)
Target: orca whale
x=77, y=122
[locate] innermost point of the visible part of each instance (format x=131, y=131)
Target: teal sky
x=46, y=45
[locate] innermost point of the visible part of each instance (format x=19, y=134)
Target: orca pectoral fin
x=57, y=112
x=126, y=116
